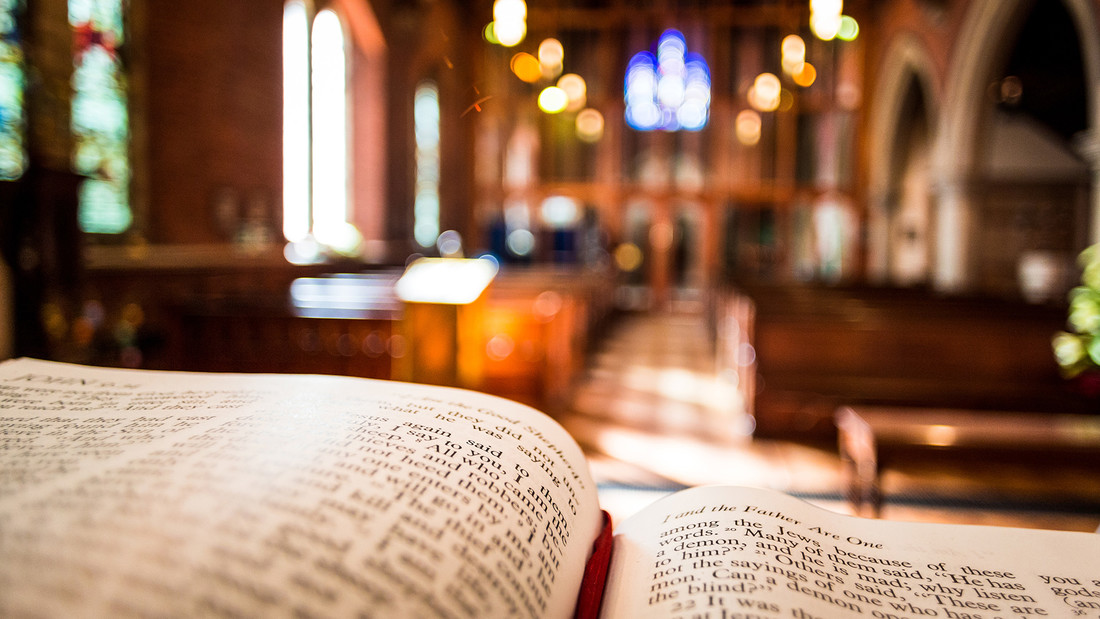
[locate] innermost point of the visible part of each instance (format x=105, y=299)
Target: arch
x=1085, y=18
x=981, y=45
x=907, y=66
x=368, y=134
x=1084, y=15
x=322, y=198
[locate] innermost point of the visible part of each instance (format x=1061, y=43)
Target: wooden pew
x=539, y=326
x=536, y=330
x=814, y=348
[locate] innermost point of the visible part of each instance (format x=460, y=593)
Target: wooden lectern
x=442, y=321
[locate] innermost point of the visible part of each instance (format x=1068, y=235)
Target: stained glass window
x=100, y=118
x=13, y=151
x=668, y=90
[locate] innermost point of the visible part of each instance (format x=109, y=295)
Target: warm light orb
x=509, y=22
x=767, y=85
x=765, y=92
x=628, y=257
x=806, y=76
x=576, y=89
x=510, y=34
x=553, y=100
x=793, y=46
x=551, y=52
x=825, y=27
x=551, y=58
x=793, y=53
x=509, y=10
x=786, y=100
x=826, y=18
x=748, y=127
x=526, y=67
x=589, y=125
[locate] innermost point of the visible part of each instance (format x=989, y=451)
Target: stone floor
x=654, y=416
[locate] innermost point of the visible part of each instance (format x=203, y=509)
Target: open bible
x=142, y=493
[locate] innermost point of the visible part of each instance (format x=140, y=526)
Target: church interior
x=835, y=248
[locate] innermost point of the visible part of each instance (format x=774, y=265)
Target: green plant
x=1078, y=349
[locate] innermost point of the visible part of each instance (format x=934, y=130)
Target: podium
x=442, y=321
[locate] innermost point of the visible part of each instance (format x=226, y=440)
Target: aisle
x=654, y=416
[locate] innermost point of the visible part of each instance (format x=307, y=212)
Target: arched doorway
x=909, y=206
x=988, y=215
x=903, y=129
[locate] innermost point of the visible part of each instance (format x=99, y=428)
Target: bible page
x=147, y=493
x=734, y=553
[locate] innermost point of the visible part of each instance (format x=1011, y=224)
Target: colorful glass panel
x=13, y=151
x=100, y=116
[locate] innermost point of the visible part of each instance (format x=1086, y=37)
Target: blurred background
x=714, y=221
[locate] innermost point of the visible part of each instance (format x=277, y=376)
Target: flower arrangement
x=1078, y=349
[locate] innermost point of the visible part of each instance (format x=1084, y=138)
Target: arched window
x=315, y=131
x=426, y=127
x=100, y=115
x=296, y=147
x=13, y=149
x=329, y=120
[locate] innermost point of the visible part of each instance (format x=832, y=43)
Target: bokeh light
x=576, y=89
x=764, y=95
x=553, y=100
x=825, y=18
x=628, y=257
x=509, y=10
x=806, y=76
x=669, y=90
x=589, y=125
x=509, y=22
x=489, y=33
x=510, y=34
x=849, y=28
x=526, y=67
x=560, y=211
x=748, y=127
x=793, y=54
x=520, y=242
x=551, y=51
x=551, y=58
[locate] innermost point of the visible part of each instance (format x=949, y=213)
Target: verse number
x=683, y=605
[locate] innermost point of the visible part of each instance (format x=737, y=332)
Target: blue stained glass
x=13, y=150
x=669, y=90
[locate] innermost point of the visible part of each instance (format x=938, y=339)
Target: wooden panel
x=816, y=348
